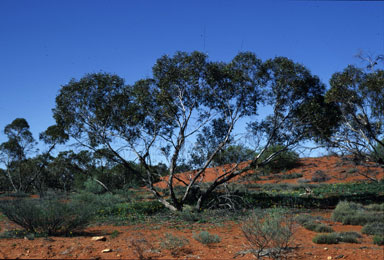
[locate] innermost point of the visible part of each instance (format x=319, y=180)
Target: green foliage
x=320, y=176
x=51, y=217
x=345, y=209
x=189, y=216
x=359, y=97
x=175, y=244
x=335, y=238
x=375, y=207
x=93, y=187
x=291, y=176
x=312, y=223
x=378, y=154
x=331, y=238
x=283, y=161
x=206, y=238
x=378, y=240
x=350, y=213
x=114, y=233
x=318, y=227
x=274, y=229
x=349, y=237
x=374, y=228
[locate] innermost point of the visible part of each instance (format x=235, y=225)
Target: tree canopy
x=191, y=99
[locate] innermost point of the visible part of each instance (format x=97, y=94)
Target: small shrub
x=174, y=244
x=378, y=240
x=375, y=207
x=320, y=176
x=171, y=242
x=345, y=208
x=304, y=218
x=141, y=247
x=352, y=170
x=318, y=227
x=331, y=238
x=374, y=228
x=51, y=217
x=335, y=238
x=189, y=216
x=114, y=233
x=349, y=237
x=291, y=176
x=272, y=229
x=206, y=238
x=284, y=161
x=93, y=187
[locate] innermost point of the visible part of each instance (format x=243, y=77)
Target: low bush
x=51, y=217
x=206, y=238
x=375, y=207
x=318, y=227
x=362, y=218
x=291, y=176
x=345, y=208
x=304, y=218
x=331, y=238
x=189, y=216
x=320, y=176
x=335, y=238
x=349, y=237
x=272, y=229
x=175, y=244
x=286, y=160
x=92, y=186
x=378, y=240
x=374, y=228
x=350, y=213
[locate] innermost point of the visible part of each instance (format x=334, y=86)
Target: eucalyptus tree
x=191, y=98
x=24, y=166
x=14, y=151
x=359, y=96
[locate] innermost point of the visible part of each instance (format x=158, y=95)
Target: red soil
x=339, y=171
x=231, y=245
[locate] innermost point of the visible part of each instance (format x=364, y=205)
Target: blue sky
x=43, y=44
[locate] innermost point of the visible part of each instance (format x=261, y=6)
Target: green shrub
x=362, y=218
x=174, y=244
x=304, y=218
x=335, y=238
x=206, y=238
x=291, y=176
x=273, y=228
x=103, y=204
x=320, y=176
x=375, y=207
x=331, y=238
x=318, y=227
x=349, y=237
x=374, y=228
x=115, y=233
x=92, y=186
x=378, y=240
x=189, y=216
x=284, y=161
x=146, y=208
x=345, y=208
x=51, y=217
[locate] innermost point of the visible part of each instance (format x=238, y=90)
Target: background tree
x=359, y=96
x=14, y=153
x=24, y=166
